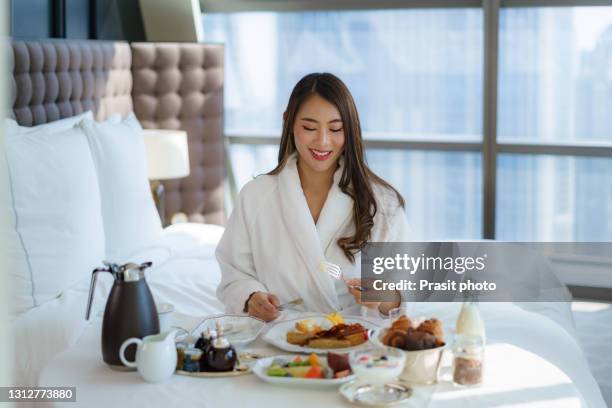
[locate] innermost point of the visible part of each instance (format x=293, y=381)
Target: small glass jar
x=468, y=360
x=191, y=362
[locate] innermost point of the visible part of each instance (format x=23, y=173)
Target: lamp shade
x=167, y=154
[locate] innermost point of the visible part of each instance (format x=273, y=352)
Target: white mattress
x=186, y=274
x=594, y=329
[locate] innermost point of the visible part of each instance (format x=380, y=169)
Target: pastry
x=402, y=335
x=402, y=323
x=433, y=327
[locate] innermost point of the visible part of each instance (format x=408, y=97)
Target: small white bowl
x=422, y=366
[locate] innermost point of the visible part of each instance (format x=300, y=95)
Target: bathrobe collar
x=312, y=240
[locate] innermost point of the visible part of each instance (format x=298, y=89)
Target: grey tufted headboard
x=180, y=86
x=174, y=86
x=57, y=79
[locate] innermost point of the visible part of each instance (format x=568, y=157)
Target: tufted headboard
x=172, y=86
x=180, y=86
x=57, y=79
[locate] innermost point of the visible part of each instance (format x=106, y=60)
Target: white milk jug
x=155, y=356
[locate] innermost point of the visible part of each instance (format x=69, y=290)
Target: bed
x=185, y=272
x=56, y=83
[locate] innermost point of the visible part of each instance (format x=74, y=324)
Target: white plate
x=277, y=335
x=259, y=369
x=240, y=330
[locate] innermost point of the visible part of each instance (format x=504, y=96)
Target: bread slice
x=298, y=338
x=328, y=343
x=356, y=339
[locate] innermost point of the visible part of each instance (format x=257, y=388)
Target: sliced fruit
x=343, y=373
x=338, y=362
x=313, y=359
x=299, y=372
x=314, y=372
x=276, y=371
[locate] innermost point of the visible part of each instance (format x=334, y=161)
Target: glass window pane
x=412, y=72
x=555, y=73
x=443, y=190
x=249, y=161
x=554, y=198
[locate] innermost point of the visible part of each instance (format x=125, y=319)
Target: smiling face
x=319, y=135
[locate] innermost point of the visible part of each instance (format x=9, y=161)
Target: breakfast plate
x=278, y=335
x=260, y=369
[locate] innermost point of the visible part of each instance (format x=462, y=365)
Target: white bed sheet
x=594, y=327
x=186, y=274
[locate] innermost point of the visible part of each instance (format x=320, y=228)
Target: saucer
x=363, y=394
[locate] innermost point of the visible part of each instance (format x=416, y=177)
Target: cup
x=401, y=310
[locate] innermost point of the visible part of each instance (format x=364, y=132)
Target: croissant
x=419, y=340
x=396, y=338
x=402, y=323
x=433, y=327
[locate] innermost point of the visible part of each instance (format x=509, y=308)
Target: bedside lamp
x=167, y=158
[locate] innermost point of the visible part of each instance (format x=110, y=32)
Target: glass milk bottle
x=469, y=322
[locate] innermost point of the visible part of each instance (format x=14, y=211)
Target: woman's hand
x=263, y=306
x=383, y=307
x=352, y=285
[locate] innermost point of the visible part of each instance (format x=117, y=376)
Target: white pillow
x=131, y=220
x=54, y=127
x=55, y=233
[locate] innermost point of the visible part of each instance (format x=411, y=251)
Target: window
x=417, y=76
x=555, y=74
x=555, y=86
x=413, y=74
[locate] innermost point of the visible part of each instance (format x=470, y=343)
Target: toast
x=356, y=339
x=298, y=338
x=328, y=343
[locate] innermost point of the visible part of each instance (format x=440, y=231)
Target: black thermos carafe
x=130, y=310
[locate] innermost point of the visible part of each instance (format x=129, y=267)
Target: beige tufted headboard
x=174, y=86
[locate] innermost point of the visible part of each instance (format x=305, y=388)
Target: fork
x=336, y=272
x=294, y=302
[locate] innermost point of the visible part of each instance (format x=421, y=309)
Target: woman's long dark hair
x=357, y=178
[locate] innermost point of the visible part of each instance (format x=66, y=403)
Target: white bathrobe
x=272, y=244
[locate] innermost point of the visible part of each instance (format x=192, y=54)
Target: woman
x=321, y=203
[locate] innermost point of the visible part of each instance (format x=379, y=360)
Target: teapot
x=130, y=310
x=155, y=356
